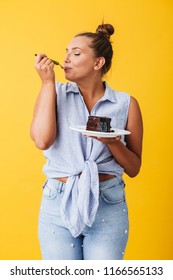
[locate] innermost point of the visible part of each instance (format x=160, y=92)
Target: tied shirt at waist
x=81, y=199
x=81, y=194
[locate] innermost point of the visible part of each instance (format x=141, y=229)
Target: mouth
x=67, y=69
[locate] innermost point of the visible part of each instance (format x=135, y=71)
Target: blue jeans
x=105, y=240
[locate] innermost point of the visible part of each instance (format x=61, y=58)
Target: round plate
x=117, y=132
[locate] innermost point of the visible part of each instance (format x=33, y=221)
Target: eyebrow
x=73, y=48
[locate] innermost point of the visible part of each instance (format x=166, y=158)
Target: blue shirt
x=73, y=154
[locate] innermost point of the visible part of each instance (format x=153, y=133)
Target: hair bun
x=105, y=30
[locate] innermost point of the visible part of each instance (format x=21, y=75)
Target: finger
x=118, y=138
x=39, y=57
x=48, y=61
x=45, y=63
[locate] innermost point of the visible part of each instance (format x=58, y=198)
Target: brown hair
x=101, y=45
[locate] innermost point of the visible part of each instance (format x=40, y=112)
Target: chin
x=71, y=79
x=68, y=77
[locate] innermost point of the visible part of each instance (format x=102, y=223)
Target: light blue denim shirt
x=73, y=154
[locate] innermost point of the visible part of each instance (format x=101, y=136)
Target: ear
x=100, y=61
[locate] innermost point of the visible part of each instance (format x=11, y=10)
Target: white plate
x=117, y=132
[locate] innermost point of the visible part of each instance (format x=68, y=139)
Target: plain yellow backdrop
x=142, y=66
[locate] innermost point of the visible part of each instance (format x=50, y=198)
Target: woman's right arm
x=43, y=129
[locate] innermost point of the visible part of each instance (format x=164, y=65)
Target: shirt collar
x=108, y=95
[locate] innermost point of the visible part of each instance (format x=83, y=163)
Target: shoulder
x=116, y=94
x=65, y=87
x=123, y=97
x=122, y=101
x=134, y=105
x=134, y=115
x=61, y=87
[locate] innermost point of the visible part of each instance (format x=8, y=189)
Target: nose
x=67, y=59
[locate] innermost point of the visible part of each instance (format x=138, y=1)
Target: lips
x=67, y=69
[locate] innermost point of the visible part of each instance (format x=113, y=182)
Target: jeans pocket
x=49, y=192
x=114, y=194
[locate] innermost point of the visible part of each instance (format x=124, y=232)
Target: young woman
x=83, y=211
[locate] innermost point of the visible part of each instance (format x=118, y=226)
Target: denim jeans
x=105, y=240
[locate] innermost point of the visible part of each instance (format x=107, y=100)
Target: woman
x=83, y=212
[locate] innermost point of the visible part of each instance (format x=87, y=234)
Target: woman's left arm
x=129, y=156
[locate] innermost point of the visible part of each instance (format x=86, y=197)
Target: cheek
x=86, y=62
x=85, y=67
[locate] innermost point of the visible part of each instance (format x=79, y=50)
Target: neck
x=92, y=89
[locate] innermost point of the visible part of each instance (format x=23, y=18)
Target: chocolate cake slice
x=101, y=124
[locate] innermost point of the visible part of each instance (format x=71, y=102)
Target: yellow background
x=142, y=66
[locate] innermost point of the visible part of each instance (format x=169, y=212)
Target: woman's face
x=80, y=60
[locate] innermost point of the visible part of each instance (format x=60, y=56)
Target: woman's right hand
x=44, y=67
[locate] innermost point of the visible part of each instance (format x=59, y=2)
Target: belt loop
x=61, y=187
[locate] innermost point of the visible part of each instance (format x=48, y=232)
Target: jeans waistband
x=102, y=185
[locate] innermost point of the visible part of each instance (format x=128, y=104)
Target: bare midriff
x=102, y=177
